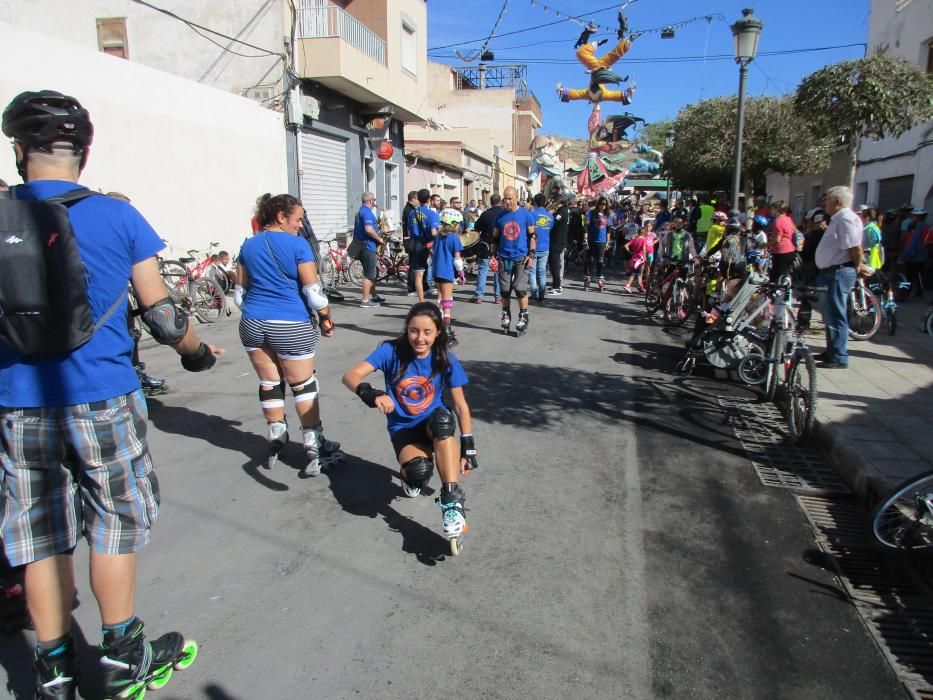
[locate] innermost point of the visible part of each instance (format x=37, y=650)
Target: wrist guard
x=326, y=323
x=369, y=395
x=200, y=360
x=468, y=451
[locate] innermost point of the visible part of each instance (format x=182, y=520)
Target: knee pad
x=306, y=390
x=417, y=472
x=447, y=304
x=271, y=394
x=442, y=424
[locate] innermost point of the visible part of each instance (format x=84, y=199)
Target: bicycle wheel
x=775, y=363
x=355, y=272
x=653, y=292
x=209, y=303
x=326, y=271
x=676, y=311
x=890, y=316
x=904, y=520
x=801, y=395
x=928, y=322
x=864, y=313
x=175, y=277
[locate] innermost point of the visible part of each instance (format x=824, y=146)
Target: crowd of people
x=75, y=458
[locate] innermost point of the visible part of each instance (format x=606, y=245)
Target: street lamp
x=669, y=142
x=669, y=138
x=746, y=33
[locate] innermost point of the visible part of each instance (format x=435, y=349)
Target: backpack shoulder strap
x=72, y=196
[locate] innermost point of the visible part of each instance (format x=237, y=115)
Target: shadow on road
x=368, y=490
x=16, y=655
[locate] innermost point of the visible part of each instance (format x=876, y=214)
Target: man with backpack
x=73, y=419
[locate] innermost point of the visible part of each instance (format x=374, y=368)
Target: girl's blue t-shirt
x=271, y=259
x=444, y=249
x=596, y=226
x=417, y=394
x=544, y=222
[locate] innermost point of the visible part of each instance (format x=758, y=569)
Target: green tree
x=775, y=139
x=871, y=97
x=655, y=134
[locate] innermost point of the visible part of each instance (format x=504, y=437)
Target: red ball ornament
x=385, y=150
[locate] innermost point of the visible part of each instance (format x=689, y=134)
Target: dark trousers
x=594, y=254
x=555, y=262
x=914, y=270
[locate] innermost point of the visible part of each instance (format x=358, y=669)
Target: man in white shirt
x=839, y=259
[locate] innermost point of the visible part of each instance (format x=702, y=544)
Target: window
x=111, y=36
x=409, y=46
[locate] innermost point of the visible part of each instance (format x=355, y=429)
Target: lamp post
x=669, y=143
x=746, y=33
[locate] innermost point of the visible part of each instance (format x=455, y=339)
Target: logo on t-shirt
x=511, y=231
x=543, y=221
x=415, y=393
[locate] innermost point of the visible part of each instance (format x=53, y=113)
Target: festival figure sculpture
x=598, y=68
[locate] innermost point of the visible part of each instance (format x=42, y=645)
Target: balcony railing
x=318, y=19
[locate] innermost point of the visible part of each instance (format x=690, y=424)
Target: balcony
x=318, y=20
x=342, y=52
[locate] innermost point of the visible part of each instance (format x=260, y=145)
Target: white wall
x=161, y=42
x=906, y=34
x=192, y=158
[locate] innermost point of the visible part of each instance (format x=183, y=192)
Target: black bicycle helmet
x=39, y=119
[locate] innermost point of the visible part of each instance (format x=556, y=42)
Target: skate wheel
x=189, y=653
x=456, y=546
x=161, y=679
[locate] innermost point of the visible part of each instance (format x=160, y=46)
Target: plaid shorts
x=83, y=468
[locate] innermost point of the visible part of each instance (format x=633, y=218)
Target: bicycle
x=864, y=312
x=391, y=260
x=337, y=268
x=905, y=519
x=881, y=287
x=788, y=364
x=575, y=253
x=928, y=320
x=191, y=290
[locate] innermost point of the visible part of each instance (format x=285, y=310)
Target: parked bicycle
x=391, y=260
x=337, y=268
x=191, y=289
x=864, y=312
x=904, y=520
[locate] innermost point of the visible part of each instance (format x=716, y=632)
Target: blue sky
x=663, y=88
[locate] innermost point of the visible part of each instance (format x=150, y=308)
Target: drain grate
x=759, y=426
x=892, y=600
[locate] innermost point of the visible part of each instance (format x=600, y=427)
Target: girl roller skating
x=418, y=369
x=447, y=265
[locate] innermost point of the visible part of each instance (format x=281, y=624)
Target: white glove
x=238, y=297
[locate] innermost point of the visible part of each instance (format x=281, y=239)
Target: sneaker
x=832, y=364
x=556, y=292
x=476, y=300
x=378, y=299
x=412, y=294
x=369, y=304
x=628, y=290
x=431, y=292
x=822, y=357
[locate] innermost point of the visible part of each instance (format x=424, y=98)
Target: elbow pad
x=314, y=296
x=458, y=264
x=238, y=296
x=369, y=395
x=165, y=322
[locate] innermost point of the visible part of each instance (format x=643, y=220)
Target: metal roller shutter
x=324, y=183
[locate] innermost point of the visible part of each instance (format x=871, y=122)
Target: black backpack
x=44, y=305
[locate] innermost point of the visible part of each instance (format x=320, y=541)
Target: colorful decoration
x=385, y=150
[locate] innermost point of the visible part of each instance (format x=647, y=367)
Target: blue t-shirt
x=274, y=291
x=112, y=237
x=417, y=394
x=544, y=222
x=513, y=233
x=596, y=226
x=365, y=218
x=427, y=219
x=444, y=249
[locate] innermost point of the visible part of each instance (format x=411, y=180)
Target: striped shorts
x=83, y=468
x=290, y=340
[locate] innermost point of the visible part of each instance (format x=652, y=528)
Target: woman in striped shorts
x=277, y=289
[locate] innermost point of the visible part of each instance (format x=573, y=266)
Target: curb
x=857, y=471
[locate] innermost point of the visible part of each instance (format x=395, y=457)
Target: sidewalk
x=875, y=419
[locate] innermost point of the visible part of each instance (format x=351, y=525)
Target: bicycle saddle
x=185, y=260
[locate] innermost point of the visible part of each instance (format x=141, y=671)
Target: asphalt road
x=620, y=546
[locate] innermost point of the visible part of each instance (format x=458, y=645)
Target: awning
x=648, y=184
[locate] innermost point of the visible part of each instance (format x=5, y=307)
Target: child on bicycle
x=418, y=370
x=447, y=265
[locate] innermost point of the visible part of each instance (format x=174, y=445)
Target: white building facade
x=892, y=172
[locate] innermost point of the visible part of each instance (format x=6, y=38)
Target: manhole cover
x=759, y=427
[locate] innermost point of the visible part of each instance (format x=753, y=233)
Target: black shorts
x=368, y=259
x=419, y=256
x=416, y=435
